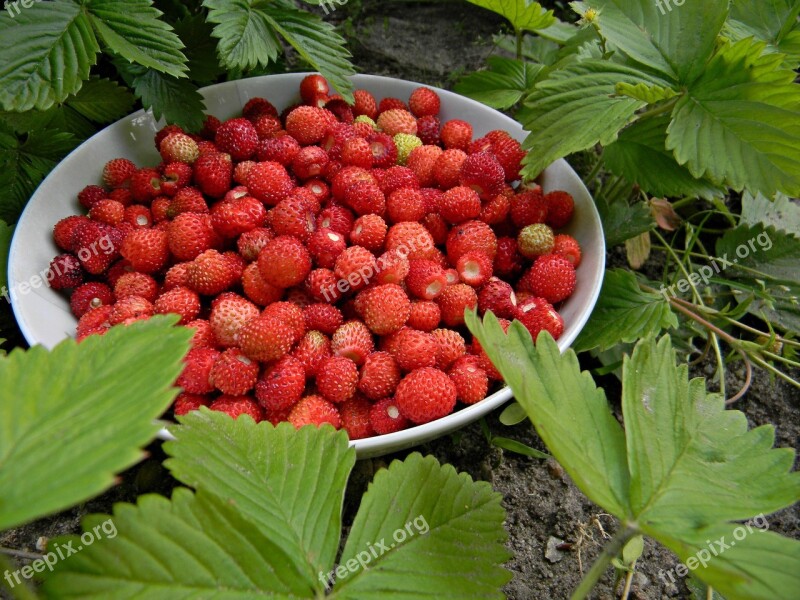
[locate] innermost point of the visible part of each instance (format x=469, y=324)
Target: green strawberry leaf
x=758, y=252
x=133, y=30
x=189, y=546
x=47, y=52
x=245, y=34
x=101, y=101
x=782, y=212
x=299, y=507
x=771, y=21
x=523, y=14
x=623, y=221
x=201, y=48
x=502, y=86
x=747, y=103
x=412, y=527
x=97, y=399
x=640, y=155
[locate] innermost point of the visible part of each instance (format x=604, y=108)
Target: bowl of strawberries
x=323, y=252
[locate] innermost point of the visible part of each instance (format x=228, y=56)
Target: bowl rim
x=412, y=436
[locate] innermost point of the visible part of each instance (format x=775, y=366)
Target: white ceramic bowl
x=44, y=316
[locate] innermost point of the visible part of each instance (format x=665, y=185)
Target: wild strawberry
x=568, y=247
x=508, y=262
x=542, y=318
x=213, y=173
x=147, y=250
x=380, y=375
x=269, y=182
x=425, y=315
x=181, y=301
x=470, y=380
x=145, y=185
x=406, y=144
x=233, y=373
x=345, y=178
x=496, y=210
x=527, y=302
x=560, y=206
x=437, y=227
x=497, y=296
x=425, y=279
x=231, y=218
x=238, y=137
x=189, y=235
x=307, y=124
x=282, y=384
x=132, y=308
x=369, y=231
x=460, y=204
x=186, y=403
x=89, y=296
x=398, y=177
x=250, y=243
x=456, y=134
x=428, y=130
x=355, y=417
x=483, y=359
x=482, y=173
x=450, y=347
x=413, y=349
x=323, y=285
x=319, y=189
x=229, y=313
x=210, y=126
x=509, y=153
x=391, y=103
x=357, y=266
x=290, y=314
x=309, y=162
x=282, y=150
x=314, y=410
x=122, y=195
x=552, y=277
x=159, y=207
x=535, y=240
x=203, y=334
x=337, y=379
x=138, y=216
x=198, y=363
x=393, y=267
x=188, y=199
x=528, y=207
x=117, y=172
x=266, y=339
x=267, y=127
x=294, y=216
x=353, y=341
x=365, y=198
x=96, y=245
x=471, y=236
x=425, y=395
x=117, y=270
x=411, y=239
x=448, y=168
x=387, y=309
x=284, y=262
x=323, y=317
x=256, y=108
x=64, y=230
x=453, y=301
x=365, y=104
x=236, y=406
x=164, y=132
x=422, y=160
x=357, y=152
x=424, y=102
x=364, y=127
x=397, y=120
x=383, y=149
x=136, y=284
x=178, y=147
x=311, y=350
x=256, y=289
x=211, y=273
x=312, y=87
x=95, y=321
x=385, y=417
x=474, y=268
x=91, y=194
x=405, y=204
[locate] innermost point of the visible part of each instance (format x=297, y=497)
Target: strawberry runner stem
x=610, y=552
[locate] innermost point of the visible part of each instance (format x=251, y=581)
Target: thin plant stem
x=19, y=553
x=628, y=581
x=659, y=110
x=610, y=552
x=518, y=33
x=747, y=381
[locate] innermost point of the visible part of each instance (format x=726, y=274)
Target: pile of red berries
x=324, y=257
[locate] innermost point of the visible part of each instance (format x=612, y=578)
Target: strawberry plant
x=683, y=469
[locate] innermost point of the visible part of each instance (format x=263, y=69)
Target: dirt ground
x=435, y=42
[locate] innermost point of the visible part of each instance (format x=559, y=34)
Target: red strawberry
x=497, y=296
x=236, y=406
x=552, y=277
x=397, y=120
x=266, y=339
x=410, y=239
x=460, y=204
x=358, y=152
x=282, y=384
x=213, y=173
x=471, y=236
x=314, y=410
x=181, y=301
x=422, y=161
x=323, y=317
x=96, y=245
x=424, y=102
x=312, y=87
x=542, y=318
x=568, y=247
x=233, y=373
x=309, y=162
x=413, y=349
x=136, y=284
x=250, y=243
x=307, y=124
x=238, y=138
x=91, y=194
x=212, y=273
x=393, y=267
x=186, y=403
x=178, y=147
x=482, y=173
x=425, y=395
x=470, y=380
x=456, y=134
x=147, y=250
x=284, y=262
x=355, y=417
x=189, y=235
x=387, y=309
x=281, y=149
x=357, y=266
x=528, y=207
x=383, y=149
x=138, y=216
x=425, y=315
x=353, y=340
x=398, y=177
x=210, y=126
x=194, y=378
x=337, y=378
x=496, y=210
x=426, y=279
x=428, y=130
x=405, y=204
x=391, y=103
x=117, y=172
x=311, y=351
x=258, y=107
x=229, y=313
x=95, y=321
x=63, y=232
x=231, y=218
x=290, y=314
x=380, y=375
x=89, y=296
x=448, y=168
x=145, y=185
x=508, y=262
x=365, y=104
x=369, y=231
x=453, y=301
x=337, y=218
x=323, y=285
x=132, y=308
x=109, y=212
x=450, y=347
x=256, y=289
x=437, y=227
x=164, y=132
x=269, y=182
x=365, y=198
x=560, y=206
x=122, y=195
x=509, y=153
x=385, y=417
x=474, y=268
